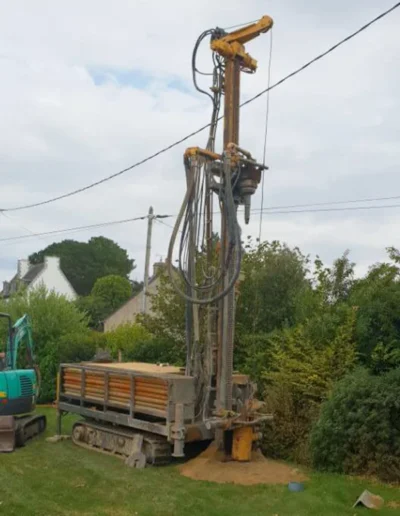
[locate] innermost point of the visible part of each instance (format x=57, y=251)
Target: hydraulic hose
x=233, y=239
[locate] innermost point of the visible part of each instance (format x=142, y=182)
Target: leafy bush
x=53, y=317
x=126, y=338
x=377, y=297
x=167, y=317
x=359, y=427
x=136, y=343
x=254, y=354
x=301, y=375
x=75, y=347
x=157, y=350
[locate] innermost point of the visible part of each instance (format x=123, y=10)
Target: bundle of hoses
x=203, y=291
x=196, y=209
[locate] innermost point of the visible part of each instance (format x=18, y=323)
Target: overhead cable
x=82, y=228
x=265, y=211
x=346, y=208
x=187, y=137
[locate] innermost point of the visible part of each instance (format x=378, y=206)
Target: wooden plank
x=139, y=367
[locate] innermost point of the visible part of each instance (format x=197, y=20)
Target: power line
x=324, y=54
x=265, y=211
x=347, y=208
x=194, y=133
x=329, y=203
x=81, y=228
x=280, y=209
x=24, y=228
x=165, y=223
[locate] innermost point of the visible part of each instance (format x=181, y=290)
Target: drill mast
x=210, y=267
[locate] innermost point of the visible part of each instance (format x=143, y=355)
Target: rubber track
x=159, y=445
x=28, y=427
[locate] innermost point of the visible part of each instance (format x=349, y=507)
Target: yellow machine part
x=242, y=444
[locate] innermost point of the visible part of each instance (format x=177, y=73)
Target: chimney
x=6, y=288
x=52, y=262
x=23, y=268
x=157, y=267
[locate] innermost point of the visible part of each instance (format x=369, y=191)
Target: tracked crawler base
x=143, y=413
x=15, y=431
x=136, y=448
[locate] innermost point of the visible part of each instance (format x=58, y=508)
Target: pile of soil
x=212, y=466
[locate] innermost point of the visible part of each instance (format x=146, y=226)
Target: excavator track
x=27, y=427
x=136, y=447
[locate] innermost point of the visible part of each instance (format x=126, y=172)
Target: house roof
x=33, y=272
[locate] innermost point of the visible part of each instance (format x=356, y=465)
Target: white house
x=47, y=274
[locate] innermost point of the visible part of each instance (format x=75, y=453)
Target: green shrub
x=53, y=318
x=136, y=343
x=157, y=350
x=359, y=427
x=301, y=373
x=126, y=338
x=73, y=348
x=254, y=354
x=287, y=435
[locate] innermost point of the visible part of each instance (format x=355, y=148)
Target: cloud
x=88, y=89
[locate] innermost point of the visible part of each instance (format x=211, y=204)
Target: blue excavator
x=19, y=387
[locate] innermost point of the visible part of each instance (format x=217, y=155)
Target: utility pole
x=150, y=218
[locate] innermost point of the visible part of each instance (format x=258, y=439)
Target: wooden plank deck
x=140, y=367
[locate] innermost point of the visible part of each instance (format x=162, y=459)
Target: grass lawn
x=57, y=479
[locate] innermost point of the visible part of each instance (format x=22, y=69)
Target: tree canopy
x=85, y=262
x=107, y=295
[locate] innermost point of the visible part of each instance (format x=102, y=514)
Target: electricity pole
x=150, y=218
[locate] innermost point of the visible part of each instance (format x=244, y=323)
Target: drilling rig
x=146, y=412
x=227, y=181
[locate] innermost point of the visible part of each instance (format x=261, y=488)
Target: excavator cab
x=19, y=387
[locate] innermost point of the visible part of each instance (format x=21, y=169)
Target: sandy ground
x=210, y=466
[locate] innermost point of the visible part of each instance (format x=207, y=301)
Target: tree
x=377, y=297
x=334, y=284
x=107, y=295
x=112, y=290
x=168, y=312
x=83, y=263
x=274, y=276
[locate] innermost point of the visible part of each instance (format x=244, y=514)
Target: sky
x=89, y=88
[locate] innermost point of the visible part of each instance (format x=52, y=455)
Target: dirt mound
x=211, y=466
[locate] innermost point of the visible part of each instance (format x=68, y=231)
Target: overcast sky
x=90, y=87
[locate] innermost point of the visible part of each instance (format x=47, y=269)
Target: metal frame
x=180, y=401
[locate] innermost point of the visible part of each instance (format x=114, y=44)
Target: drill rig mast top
x=210, y=266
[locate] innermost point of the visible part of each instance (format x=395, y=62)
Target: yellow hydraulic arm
x=231, y=46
